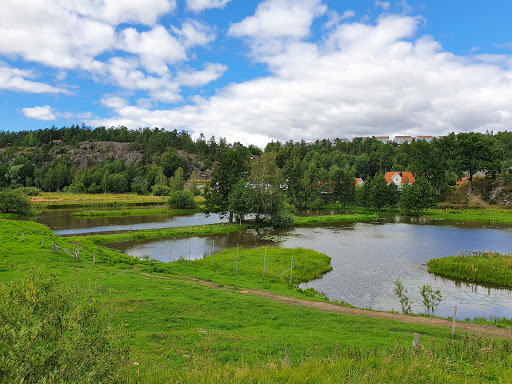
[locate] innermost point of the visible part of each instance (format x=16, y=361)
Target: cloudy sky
x=255, y=71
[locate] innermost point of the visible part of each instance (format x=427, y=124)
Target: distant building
x=382, y=139
x=428, y=139
x=363, y=138
x=403, y=139
x=399, y=178
x=57, y=141
x=462, y=181
x=359, y=181
x=344, y=140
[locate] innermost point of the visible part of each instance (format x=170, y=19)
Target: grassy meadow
x=178, y=329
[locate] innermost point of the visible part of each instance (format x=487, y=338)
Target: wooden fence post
x=93, y=258
x=287, y=353
x=236, y=270
x=264, y=262
x=22, y=236
x=416, y=341
x=291, y=272
x=454, y=316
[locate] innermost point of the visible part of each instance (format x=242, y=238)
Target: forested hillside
x=81, y=159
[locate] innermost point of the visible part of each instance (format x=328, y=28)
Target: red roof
x=403, y=175
x=463, y=181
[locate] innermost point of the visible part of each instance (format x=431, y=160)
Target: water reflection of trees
x=474, y=288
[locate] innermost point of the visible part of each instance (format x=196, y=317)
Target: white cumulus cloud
x=383, y=4
x=115, y=12
x=360, y=79
x=156, y=48
x=44, y=32
x=211, y=73
x=16, y=80
x=280, y=18
x=39, y=113
x=199, y=5
x=193, y=33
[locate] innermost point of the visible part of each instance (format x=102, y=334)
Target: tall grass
x=462, y=360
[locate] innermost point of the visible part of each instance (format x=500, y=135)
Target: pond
x=63, y=223
x=368, y=257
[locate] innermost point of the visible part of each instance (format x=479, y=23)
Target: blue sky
x=255, y=71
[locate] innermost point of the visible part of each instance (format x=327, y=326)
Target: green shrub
x=284, y=216
x=51, y=333
x=75, y=188
x=160, y=190
x=182, y=200
x=15, y=202
x=95, y=188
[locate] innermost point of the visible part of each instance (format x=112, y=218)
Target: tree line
x=247, y=180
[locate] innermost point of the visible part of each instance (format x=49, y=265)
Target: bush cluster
x=52, y=333
x=15, y=202
x=182, y=200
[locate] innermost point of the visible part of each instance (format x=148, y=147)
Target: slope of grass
x=182, y=331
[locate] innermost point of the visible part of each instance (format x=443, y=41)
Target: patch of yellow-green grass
x=63, y=199
x=486, y=215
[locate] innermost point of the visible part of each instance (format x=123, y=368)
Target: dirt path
x=328, y=307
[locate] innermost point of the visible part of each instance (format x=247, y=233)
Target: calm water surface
x=62, y=223
x=368, y=257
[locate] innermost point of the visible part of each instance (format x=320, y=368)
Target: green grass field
x=180, y=330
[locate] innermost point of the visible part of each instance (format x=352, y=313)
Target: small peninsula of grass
x=485, y=268
x=256, y=268
x=149, y=234
x=333, y=218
